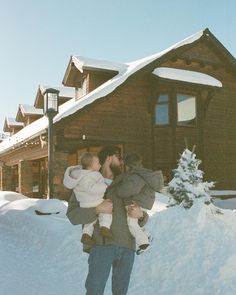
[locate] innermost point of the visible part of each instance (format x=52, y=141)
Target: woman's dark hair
x=133, y=160
x=108, y=150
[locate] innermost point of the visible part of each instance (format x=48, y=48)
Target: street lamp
x=50, y=110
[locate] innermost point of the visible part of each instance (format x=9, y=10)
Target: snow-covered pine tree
x=187, y=184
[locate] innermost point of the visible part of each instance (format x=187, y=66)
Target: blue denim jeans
x=101, y=259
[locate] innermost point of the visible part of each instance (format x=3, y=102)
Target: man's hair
x=86, y=160
x=108, y=150
x=133, y=160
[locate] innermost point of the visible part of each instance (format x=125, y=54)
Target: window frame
x=172, y=93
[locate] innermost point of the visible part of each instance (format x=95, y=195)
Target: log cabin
x=185, y=93
x=12, y=126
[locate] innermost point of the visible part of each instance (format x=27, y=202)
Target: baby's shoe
x=105, y=232
x=145, y=247
x=87, y=240
x=142, y=248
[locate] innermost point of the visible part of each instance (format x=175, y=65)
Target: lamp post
x=50, y=110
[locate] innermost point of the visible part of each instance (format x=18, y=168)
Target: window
x=82, y=89
x=162, y=110
x=186, y=110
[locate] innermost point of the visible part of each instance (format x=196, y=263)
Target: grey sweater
x=119, y=228
x=137, y=185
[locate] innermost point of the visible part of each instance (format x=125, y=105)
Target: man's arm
x=78, y=215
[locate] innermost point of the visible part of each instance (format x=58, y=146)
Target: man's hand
x=105, y=207
x=135, y=211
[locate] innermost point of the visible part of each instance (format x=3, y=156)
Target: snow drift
x=193, y=251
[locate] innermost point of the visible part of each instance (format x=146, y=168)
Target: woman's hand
x=105, y=207
x=135, y=211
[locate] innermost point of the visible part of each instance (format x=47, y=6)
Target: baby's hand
x=135, y=211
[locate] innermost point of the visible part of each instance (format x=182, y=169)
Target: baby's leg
x=88, y=233
x=137, y=232
x=89, y=228
x=105, y=221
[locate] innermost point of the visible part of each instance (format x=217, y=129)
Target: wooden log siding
x=26, y=153
x=121, y=117
x=96, y=78
x=220, y=138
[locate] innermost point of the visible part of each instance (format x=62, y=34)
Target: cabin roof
x=63, y=91
x=72, y=106
x=84, y=63
x=11, y=122
x=25, y=110
x=30, y=110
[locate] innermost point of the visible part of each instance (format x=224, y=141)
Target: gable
x=208, y=54
x=203, y=54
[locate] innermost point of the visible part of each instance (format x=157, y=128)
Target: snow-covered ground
x=193, y=250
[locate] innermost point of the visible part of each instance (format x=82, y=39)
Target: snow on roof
x=82, y=63
x=4, y=135
x=12, y=122
x=109, y=86
x=64, y=91
x=70, y=107
x=187, y=76
x=30, y=110
x=30, y=131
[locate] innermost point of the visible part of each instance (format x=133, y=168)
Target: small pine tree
x=187, y=184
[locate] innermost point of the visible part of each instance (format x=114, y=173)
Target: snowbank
x=9, y=196
x=193, y=251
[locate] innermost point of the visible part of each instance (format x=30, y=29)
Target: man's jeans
x=101, y=259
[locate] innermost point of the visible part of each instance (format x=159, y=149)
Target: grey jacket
x=137, y=185
x=119, y=228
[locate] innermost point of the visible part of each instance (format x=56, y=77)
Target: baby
x=137, y=186
x=89, y=188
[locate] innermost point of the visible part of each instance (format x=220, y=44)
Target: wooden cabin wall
x=96, y=79
x=220, y=134
x=218, y=145
x=121, y=117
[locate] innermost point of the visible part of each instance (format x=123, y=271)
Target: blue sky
x=37, y=38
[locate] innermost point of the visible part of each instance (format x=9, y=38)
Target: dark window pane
x=162, y=114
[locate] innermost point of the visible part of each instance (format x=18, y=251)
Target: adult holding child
x=89, y=187
x=116, y=252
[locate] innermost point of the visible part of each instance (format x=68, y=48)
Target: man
x=117, y=252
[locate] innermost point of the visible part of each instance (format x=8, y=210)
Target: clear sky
x=37, y=37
